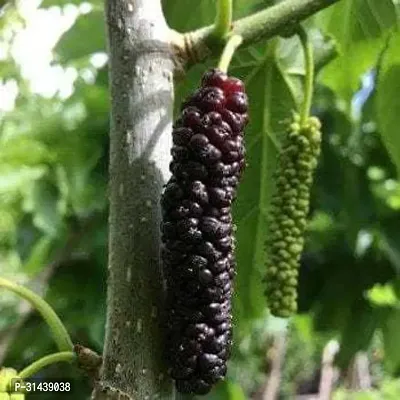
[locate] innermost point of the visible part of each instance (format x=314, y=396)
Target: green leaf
x=61, y=3
x=354, y=21
x=382, y=295
x=87, y=36
x=243, y=8
x=51, y=3
x=343, y=394
x=80, y=188
x=227, y=390
x=388, y=244
x=8, y=227
x=19, y=150
x=331, y=311
x=359, y=27
x=388, y=101
x=291, y=54
x=42, y=202
x=271, y=103
x=358, y=332
x=8, y=68
x=291, y=58
x=390, y=389
x=75, y=296
x=396, y=288
x=87, y=193
x=39, y=255
x=15, y=180
x=390, y=329
x=185, y=15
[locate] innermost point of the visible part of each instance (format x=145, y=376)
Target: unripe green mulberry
x=288, y=213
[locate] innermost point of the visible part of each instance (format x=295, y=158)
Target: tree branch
x=196, y=46
x=141, y=71
x=89, y=361
x=358, y=376
x=328, y=370
x=271, y=391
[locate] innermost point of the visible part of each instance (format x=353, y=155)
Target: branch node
x=196, y=51
x=279, y=19
x=187, y=51
x=89, y=361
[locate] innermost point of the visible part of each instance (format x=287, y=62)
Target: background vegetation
x=53, y=196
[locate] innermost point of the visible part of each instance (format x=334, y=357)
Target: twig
x=364, y=376
x=279, y=348
x=194, y=47
x=89, y=361
x=358, y=376
x=328, y=370
x=35, y=367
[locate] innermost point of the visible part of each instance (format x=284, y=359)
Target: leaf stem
x=261, y=25
x=229, y=50
x=309, y=78
x=35, y=367
x=58, y=330
x=223, y=19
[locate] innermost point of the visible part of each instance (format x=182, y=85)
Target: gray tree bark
x=141, y=80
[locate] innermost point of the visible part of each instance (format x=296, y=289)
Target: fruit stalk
x=309, y=78
x=233, y=43
x=223, y=19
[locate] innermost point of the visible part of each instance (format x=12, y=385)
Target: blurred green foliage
x=390, y=390
x=53, y=199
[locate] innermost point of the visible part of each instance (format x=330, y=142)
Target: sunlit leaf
x=391, y=328
x=42, y=201
x=85, y=37
x=16, y=180
x=382, y=295
x=39, y=255
x=360, y=28
x=388, y=101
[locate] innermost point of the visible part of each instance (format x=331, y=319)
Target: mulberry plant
x=197, y=230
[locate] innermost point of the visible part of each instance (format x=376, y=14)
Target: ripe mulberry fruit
x=197, y=230
x=287, y=218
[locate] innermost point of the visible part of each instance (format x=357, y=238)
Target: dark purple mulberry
x=197, y=230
